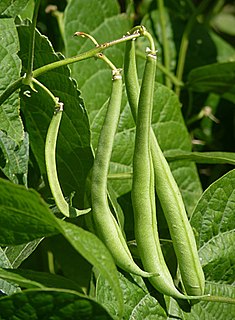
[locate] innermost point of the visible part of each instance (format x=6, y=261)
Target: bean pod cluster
x=151, y=176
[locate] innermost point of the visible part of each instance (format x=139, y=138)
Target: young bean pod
x=106, y=226
x=170, y=198
x=143, y=198
x=50, y=159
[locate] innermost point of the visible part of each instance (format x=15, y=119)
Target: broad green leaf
x=5, y=286
x=217, y=255
x=10, y=121
x=217, y=77
x=12, y=8
x=91, y=248
x=16, y=254
x=206, y=310
x=101, y=19
x=225, y=51
x=213, y=220
x=20, y=280
x=30, y=279
x=15, y=158
x=132, y=294
x=225, y=22
x=63, y=254
x=214, y=310
x=51, y=304
x=74, y=155
x=202, y=157
x=24, y=215
x=148, y=308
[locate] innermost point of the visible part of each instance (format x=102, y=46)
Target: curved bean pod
x=169, y=196
x=143, y=199
x=106, y=226
x=50, y=158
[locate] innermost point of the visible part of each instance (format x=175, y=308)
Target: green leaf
x=30, y=279
x=63, y=254
x=24, y=215
x=213, y=220
x=92, y=249
x=15, y=158
x=5, y=286
x=225, y=22
x=132, y=294
x=217, y=255
x=206, y=310
x=74, y=154
x=102, y=20
x=16, y=254
x=148, y=308
x=10, y=121
x=214, y=310
x=225, y=51
x=202, y=157
x=217, y=77
x=12, y=8
x=51, y=304
x=20, y=280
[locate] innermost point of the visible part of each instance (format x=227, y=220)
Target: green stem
x=120, y=176
x=82, y=56
x=55, y=100
x=10, y=89
x=165, y=43
x=185, y=41
x=28, y=78
x=51, y=66
x=218, y=299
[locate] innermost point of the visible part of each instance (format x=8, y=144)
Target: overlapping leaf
x=101, y=19
x=213, y=220
x=73, y=149
x=51, y=303
x=12, y=8
x=10, y=121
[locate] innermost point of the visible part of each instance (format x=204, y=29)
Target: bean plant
x=116, y=154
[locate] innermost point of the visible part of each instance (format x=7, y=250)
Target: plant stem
x=185, y=41
x=120, y=176
x=10, y=89
x=165, y=43
x=218, y=299
x=83, y=56
x=28, y=78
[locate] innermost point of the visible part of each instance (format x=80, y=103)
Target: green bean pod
x=169, y=196
x=143, y=198
x=180, y=229
x=106, y=226
x=50, y=159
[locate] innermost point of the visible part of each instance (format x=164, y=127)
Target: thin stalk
x=83, y=56
x=185, y=41
x=220, y=299
x=28, y=78
x=120, y=176
x=165, y=43
x=51, y=66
